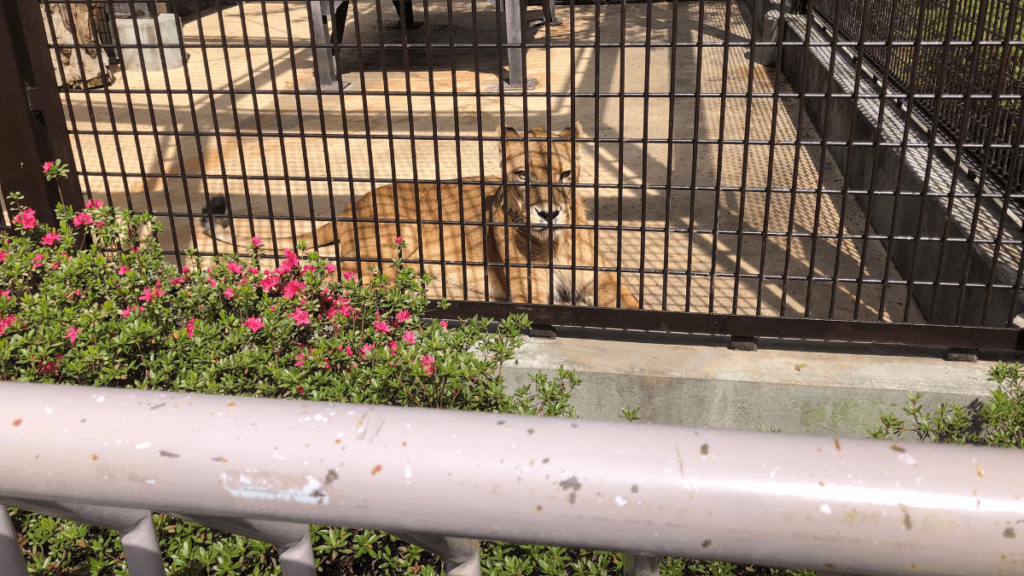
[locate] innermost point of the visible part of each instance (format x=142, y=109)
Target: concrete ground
x=794, y=387
x=312, y=144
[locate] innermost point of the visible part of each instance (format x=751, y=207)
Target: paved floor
x=293, y=170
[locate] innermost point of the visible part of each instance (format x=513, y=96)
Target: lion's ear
x=568, y=132
x=510, y=132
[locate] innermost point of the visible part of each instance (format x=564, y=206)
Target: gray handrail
x=856, y=506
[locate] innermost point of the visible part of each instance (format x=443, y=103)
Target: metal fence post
x=35, y=129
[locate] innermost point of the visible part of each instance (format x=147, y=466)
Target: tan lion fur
x=428, y=245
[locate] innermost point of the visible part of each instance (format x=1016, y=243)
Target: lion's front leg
x=608, y=287
x=529, y=286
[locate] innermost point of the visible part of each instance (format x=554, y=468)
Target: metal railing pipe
x=853, y=506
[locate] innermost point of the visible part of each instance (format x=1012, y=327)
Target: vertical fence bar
x=644, y=147
x=723, y=100
x=695, y=156
x=955, y=172
x=990, y=108
x=669, y=188
x=36, y=131
x=849, y=155
x=819, y=194
x=795, y=192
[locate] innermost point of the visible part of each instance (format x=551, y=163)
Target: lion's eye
x=521, y=174
x=567, y=175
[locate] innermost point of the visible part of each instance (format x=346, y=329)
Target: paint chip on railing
x=825, y=509
x=143, y=445
x=261, y=485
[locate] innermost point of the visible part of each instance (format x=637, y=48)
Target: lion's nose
x=549, y=215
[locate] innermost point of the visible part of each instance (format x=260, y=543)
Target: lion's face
x=539, y=184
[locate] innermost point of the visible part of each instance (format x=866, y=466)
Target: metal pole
x=815, y=503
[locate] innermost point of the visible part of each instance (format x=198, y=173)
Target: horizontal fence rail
x=856, y=163
x=444, y=479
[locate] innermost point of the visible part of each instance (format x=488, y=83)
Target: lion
x=500, y=242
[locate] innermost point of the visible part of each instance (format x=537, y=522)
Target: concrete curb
x=821, y=389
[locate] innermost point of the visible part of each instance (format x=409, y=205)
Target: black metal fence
x=984, y=59
x=656, y=169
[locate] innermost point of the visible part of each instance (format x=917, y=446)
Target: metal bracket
x=35, y=98
x=531, y=83
x=744, y=343
x=542, y=331
x=962, y=354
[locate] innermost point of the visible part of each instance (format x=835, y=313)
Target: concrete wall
x=890, y=168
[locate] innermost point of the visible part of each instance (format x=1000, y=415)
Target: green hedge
x=115, y=314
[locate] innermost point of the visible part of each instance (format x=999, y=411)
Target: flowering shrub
x=115, y=314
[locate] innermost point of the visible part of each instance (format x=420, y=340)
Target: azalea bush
x=999, y=421
x=114, y=313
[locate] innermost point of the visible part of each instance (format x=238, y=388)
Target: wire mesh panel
x=675, y=157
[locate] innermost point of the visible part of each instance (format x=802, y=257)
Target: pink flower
x=148, y=295
x=184, y=269
x=256, y=242
x=190, y=327
x=27, y=218
x=72, y=334
x=299, y=360
x=348, y=275
x=6, y=294
x=366, y=349
x=126, y=312
x=398, y=240
x=6, y=323
x=348, y=350
x=235, y=267
x=37, y=260
x=47, y=166
x=285, y=267
x=331, y=267
x=381, y=326
x=444, y=324
x=268, y=283
x=409, y=337
x=123, y=270
x=212, y=281
x=94, y=204
x=300, y=316
x=393, y=345
x=82, y=218
x=50, y=238
x=290, y=256
x=253, y=270
x=3, y=256
x=292, y=288
x=428, y=363
x=229, y=293
x=253, y=323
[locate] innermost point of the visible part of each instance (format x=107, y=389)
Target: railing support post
x=138, y=536
x=641, y=564
x=11, y=560
x=462, y=554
